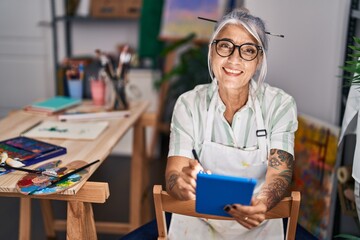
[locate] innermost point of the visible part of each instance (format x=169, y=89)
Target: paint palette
x=31, y=182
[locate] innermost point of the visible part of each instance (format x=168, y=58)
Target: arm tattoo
x=277, y=188
x=286, y=158
x=172, y=180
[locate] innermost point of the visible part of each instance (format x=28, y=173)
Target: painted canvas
x=314, y=175
x=180, y=18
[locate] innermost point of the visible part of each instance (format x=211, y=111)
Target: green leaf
x=354, y=55
x=357, y=40
x=355, y=48
x=347, y=236
x=177, y=44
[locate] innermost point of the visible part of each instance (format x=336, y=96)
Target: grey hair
x=255, y=26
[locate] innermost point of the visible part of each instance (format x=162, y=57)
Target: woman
x=239, y=126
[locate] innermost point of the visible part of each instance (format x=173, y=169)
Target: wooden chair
x=287, y=208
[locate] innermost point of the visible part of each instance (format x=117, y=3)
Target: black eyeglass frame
x=259, y=48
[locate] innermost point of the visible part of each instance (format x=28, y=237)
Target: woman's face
x=233, y=72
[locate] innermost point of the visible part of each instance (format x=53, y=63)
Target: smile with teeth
x=232, y=71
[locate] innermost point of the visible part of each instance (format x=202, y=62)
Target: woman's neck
x=233, y=100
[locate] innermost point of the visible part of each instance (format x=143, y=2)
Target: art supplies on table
x=53, y=105
x=62, y=177
x=29, y=151
x=214, y=192
x=67, y=130
x=75, y=76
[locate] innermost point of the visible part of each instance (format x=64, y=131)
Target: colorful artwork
x=36, y=183
x=180, y=18
x=314, y=175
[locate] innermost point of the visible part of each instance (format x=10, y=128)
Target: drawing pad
x=214, y=191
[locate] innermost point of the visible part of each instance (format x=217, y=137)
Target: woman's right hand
x=182, y=184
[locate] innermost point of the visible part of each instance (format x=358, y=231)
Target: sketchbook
x=29, y=151
x=54, y=104
x=67, y=130
x=214, y=192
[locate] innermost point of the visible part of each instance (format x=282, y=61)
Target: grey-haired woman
x=239, y=126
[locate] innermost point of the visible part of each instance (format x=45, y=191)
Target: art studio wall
x=306, y=62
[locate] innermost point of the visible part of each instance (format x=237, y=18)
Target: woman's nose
x=235, y=56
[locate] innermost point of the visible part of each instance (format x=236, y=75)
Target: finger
x=246, y=219
x=192, y=173
x=186, y=191
x=189, y=176
x=259, y=208
x=187, y=182
x=195, y=165
x=247, y=222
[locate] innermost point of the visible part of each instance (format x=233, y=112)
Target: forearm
x=180, y=178
x=278, y=178
x=171, y=179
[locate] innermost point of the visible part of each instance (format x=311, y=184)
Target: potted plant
x=352, y=67
x=190, y=70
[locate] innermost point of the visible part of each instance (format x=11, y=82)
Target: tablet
x=214, y=192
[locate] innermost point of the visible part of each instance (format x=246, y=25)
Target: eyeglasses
x=247, y=51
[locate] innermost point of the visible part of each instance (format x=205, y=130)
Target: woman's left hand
x=248, y=216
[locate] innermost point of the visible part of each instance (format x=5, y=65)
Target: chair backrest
x=287, y=208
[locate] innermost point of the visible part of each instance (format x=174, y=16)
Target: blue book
x=214, y=192
x=55, y=104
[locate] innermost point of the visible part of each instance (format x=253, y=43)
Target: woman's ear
x=259, y=63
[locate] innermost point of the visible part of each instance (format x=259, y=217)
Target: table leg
x=80, y=221
x=25, y=219
x=137, y=175
x=48, y=218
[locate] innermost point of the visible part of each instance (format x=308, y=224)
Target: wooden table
x=80, y=223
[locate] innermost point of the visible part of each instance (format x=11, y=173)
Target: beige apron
x=234, y=161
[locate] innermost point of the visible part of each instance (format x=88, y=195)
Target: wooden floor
x=115, y=170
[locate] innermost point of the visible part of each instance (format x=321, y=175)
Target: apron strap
x=261, y=133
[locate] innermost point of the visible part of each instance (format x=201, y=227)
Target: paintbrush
x=62, y=178
x=8, y=167
x=13, y=164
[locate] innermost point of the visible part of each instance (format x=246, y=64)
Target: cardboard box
x=115, y=8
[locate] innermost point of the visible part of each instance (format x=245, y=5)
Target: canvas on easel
x=180, y=18
x=315, y=174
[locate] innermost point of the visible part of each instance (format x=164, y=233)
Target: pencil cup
x=98, y=92
x=75, y=88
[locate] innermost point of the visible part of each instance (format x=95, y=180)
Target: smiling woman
x=240, y=126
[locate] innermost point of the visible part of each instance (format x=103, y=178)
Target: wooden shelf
x=93, y=19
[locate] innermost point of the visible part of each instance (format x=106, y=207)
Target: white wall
x=306, y=62
x=25, y=53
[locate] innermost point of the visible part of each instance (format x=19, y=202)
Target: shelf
x=92, y=19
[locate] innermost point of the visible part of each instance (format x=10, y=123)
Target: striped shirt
x=190, y=113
